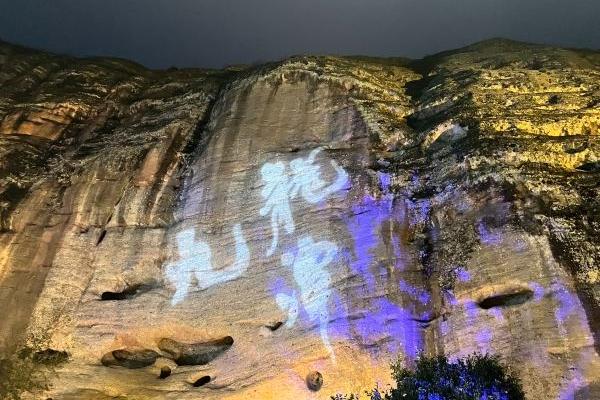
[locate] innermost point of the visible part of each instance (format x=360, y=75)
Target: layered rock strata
x=231, y=234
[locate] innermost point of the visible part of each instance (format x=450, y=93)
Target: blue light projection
x=308, y=264
x=379, y=323
x=566, y=308
x=280, y=187
x=567, y=312
x=195, y=260
x=393, y=304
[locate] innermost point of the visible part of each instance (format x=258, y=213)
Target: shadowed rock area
x=328, y=213
x=195, y=353
x=130, y=358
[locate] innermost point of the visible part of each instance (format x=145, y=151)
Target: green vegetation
x=477, y=377
x=26, y=371
x=19, y=374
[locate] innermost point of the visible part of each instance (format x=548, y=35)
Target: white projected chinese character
x=195, y=260
x=290, y=305
x=276, y=195
x=281, y=186
x=313, y=279
x=306, y=179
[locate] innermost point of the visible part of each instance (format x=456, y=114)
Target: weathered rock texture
x=233, y=232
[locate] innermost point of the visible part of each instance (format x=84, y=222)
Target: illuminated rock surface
x=227, y=234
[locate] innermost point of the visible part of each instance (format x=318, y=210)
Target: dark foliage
x=477, y=377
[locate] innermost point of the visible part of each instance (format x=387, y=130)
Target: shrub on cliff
x=26, y=371
x=477, y=377
x=19, y=374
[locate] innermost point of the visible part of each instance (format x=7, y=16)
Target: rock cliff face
x=227, y=234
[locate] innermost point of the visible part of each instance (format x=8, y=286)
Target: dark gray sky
x=214, y=33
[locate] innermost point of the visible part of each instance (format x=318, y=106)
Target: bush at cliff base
x=477, y=377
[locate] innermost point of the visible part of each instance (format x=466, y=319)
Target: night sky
x=215, y=33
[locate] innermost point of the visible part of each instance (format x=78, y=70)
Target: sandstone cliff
x=222, y=234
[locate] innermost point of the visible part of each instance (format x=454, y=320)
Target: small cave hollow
x=273, y=327
x=509, y=299
x=589, y=167
x=201, y=381
x=554, y=99
x=101, y=237
x=127, y=293
x=165, y=372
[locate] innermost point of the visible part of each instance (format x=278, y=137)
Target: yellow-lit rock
x=454, y=205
